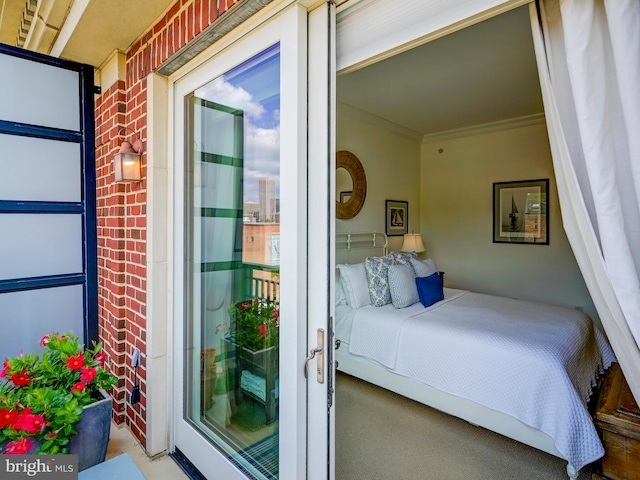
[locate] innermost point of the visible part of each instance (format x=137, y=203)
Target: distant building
x=267, y=199
x=251, y=212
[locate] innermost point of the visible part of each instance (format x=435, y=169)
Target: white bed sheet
x=531, y=361
x=344, y=322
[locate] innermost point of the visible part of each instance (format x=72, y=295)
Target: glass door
x=232, y=262
x=240, y=261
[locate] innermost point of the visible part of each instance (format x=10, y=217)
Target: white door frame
x=321, y=212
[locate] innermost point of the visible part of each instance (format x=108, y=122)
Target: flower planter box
x=92, y=439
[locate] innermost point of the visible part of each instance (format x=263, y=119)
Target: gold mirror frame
x=351, y=164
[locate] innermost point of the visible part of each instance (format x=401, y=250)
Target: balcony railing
x=263, y=281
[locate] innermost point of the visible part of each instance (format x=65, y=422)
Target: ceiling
x=482, y=74
x=98, y=27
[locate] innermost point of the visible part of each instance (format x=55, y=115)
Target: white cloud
x=222, y=92
x=262, y=145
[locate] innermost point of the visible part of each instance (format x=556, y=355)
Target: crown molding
x=485, y=128
x=374, y=120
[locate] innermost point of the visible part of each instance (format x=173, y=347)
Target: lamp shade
x=412, y=242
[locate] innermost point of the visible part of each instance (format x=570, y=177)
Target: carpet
x=381, y=435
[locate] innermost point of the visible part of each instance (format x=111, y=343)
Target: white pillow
x=354, y=282
x=341, y=298
x=424, y=268
x=402, y=283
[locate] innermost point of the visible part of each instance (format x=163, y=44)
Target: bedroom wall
x=457, y=176
x=390, y=156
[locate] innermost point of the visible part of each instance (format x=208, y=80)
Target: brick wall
x=121, y=112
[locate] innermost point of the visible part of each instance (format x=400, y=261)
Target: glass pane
x=36, y=245
x=27, y=166
x=25, y=317
x=57, y=105
x=233, y=262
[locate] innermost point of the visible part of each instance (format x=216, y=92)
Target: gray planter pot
x=92, y=439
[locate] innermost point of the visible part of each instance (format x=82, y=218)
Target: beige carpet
x=382, y=435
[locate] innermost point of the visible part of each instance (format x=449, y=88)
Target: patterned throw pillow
x=403, y=258
x=376, y=268
x=402, y=283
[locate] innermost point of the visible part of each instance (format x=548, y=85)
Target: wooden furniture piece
x=263, y=365
x=617, y=418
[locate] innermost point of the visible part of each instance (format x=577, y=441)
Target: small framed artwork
x=521, y=212
x=345, y=196
x=397, y=217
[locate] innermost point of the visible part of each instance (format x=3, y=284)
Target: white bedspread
x=532, y=361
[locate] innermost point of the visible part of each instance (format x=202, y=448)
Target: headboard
x=353, y=247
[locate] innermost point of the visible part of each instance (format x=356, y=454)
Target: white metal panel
x=372, y=29
x=31, y=314
x=39, y=169
x=34, y=245
x=33, y=101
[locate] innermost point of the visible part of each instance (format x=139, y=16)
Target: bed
x=521, y=369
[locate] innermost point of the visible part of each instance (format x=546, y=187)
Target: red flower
x=20, y=447
x=29, y=422
x=263, y=328
x=78, y=387
x=244, y=305
x=101, y=357
x=88, y=374
x=276, y=315
x=44, y=340
x=7, y=417
x=20, y=379
x=75, y=362
x=5, y=368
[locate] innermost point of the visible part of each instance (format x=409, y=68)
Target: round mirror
x=351, y=185
x=344, y=185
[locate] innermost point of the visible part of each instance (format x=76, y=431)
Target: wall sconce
x=412, y=242
x=126, y=163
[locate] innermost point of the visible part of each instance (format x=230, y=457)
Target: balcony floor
x=161, y=468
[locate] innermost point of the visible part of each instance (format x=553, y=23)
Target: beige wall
x=456, y=218
x=450, y=197
x=390, y=156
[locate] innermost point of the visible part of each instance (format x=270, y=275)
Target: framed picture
x=345, y=196
x=521, y=212
x=397, y=217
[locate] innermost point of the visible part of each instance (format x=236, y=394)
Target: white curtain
x=588, y=57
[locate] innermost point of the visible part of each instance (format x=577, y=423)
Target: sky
x=254, y=88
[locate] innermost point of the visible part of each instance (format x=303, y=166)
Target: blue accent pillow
x=430, y=289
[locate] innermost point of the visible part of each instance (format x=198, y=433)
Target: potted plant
x=47, y=402
x=254, y=343
x=256, y=323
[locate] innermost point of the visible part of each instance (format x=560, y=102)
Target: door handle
x=319, y=350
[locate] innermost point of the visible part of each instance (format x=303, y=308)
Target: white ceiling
x=98, y=26
x=481, y=74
